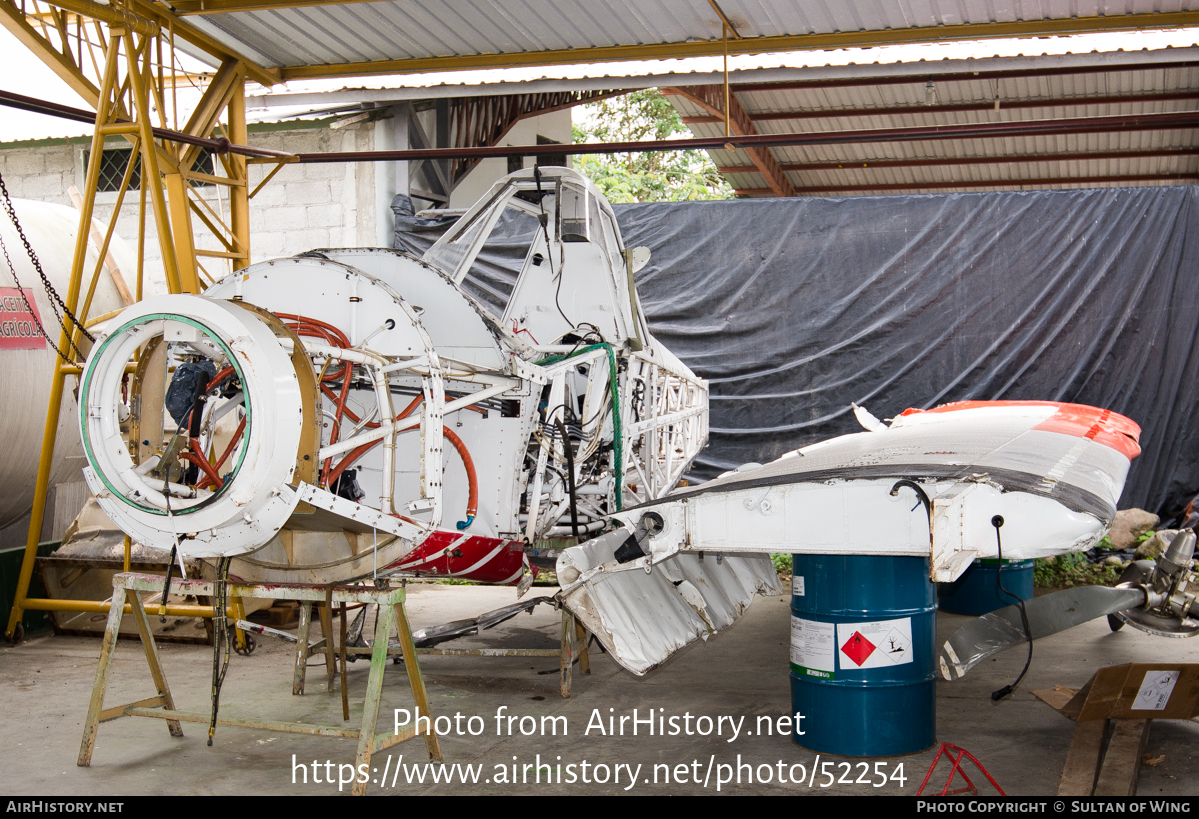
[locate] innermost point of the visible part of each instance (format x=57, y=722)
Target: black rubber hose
x=997, y=522
x=570, y=477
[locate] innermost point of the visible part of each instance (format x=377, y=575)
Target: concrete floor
x=47, y=683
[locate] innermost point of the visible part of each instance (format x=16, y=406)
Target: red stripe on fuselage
x=1077, y=420
x=448, y=554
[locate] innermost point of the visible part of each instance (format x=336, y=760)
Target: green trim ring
x=86, y=393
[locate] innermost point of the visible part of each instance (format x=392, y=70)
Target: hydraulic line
x=355, y=454
x=570, y=477
x=472, y=480
x=220, y=638
x=617, y=428
x=997, y=522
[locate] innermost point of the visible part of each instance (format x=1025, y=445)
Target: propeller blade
x=1047, y=615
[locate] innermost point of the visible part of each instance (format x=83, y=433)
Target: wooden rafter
x=711, y=99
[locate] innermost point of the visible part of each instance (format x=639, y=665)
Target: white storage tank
x=26, y=359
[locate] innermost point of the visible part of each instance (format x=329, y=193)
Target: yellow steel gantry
x=129, y=88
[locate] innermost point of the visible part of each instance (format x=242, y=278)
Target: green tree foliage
x=647, y=177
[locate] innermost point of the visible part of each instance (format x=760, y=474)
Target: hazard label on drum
x=877, y=644
x=857, y=648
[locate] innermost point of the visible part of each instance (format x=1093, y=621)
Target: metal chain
x=32, y=313
x=37, y=265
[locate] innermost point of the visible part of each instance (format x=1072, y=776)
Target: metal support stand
x=566, y=652
x=162, y=706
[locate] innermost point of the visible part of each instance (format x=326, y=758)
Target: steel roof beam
x=162, y=16
x=1081, y=156
x=957, y=76
x=990, y=183
x=1081, y=125
x=58, y=60
x=705, y=48
x=712, y=98
x=954, y=108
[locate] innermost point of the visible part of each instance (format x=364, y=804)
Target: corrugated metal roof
x=396, y=30
x=308, y=38
x=991, y=162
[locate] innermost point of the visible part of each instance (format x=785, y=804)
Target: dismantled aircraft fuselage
x=346, y=414
x=349, y=414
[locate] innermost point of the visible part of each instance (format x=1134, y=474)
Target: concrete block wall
x=37, y=172
x=302, y=208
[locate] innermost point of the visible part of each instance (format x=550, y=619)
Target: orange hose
x=315, y=323
x=224, y=457
x=311, y=326
x=355, y=454
x=216, y=379
x=472, y=480
x=196, y=456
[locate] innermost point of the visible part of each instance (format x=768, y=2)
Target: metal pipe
x=219, y=145
x=951, y=108
x=1149, y=122
x=102, y=607
x=374, y=435
x=859, y=164
x=387, y=427
x=1075, y=125
x=991, y=183
x=107, y=13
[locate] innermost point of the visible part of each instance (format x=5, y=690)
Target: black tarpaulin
x=794, y=308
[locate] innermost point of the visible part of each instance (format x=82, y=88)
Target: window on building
x=550, y=159
x=115, y=161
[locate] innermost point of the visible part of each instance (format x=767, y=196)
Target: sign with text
x=18, y=328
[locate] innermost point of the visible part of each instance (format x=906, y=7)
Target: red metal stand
x=949, y=749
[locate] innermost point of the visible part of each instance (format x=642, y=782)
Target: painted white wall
x=555, y=126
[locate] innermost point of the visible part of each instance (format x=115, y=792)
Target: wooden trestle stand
x=126, y=587
x=572, y=648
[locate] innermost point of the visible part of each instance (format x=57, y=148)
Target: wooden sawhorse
x=573, y=644
x=162, y=706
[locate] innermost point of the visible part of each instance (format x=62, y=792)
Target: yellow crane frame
x=131, y=86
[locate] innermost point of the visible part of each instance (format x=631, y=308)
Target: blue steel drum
x=976, y=591
x=863, y=669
